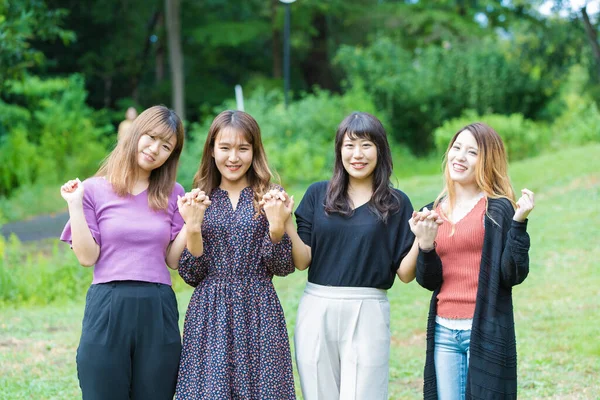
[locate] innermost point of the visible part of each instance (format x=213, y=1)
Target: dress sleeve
x=176, y=220
x=515, y=257
x=304, y=215
x=277, y=257
x=193, y=269
x=89, y=211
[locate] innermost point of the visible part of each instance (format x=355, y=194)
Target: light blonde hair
x=120, y=167
x=259, y=175
x=491, y=170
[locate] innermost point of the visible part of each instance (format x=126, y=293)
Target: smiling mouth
x=459, y=168
x=148, y=157
x=233, y=167
x=358, y=165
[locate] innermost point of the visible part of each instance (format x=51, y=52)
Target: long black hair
x=385, y=200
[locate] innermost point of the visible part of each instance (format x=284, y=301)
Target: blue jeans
x=451, y=357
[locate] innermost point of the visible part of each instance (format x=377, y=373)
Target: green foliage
x=298, y=141
x=39, y=277
x=577, y=118
x=49, y=133
x=421, y=91
x=21, y=24
x=523, y=138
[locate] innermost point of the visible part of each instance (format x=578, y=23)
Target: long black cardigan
x=504, y=263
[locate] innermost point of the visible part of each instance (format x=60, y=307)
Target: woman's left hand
x=525, y=204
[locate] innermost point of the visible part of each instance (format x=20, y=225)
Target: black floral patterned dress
x=235, y=341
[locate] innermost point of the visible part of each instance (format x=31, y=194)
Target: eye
x=151, y=136
x=456, y=147
x=367, y=145
x=473, y=152
x=167, y=148
x=348, y=145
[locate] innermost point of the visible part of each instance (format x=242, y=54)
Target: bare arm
x=301, y=253
x=407, y=269
x=176, y=248
x=84, y=246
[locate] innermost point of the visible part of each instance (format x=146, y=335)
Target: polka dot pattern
x=235, y=340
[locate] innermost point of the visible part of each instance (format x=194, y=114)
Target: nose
x=233, y=155
x=154, y=147
x=357, y=152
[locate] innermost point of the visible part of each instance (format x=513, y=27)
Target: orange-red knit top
x=461, y=256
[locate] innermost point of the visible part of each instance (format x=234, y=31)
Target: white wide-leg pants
x=342, y=343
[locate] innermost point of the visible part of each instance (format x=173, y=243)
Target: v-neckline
x=469, y=212
x=237, y=204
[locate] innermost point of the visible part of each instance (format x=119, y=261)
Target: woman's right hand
x=192, y=207
x=72, y=191
x=424, y=225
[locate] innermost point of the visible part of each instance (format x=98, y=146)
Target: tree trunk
x=173, y=20
x=150, y=27
x=276, y=41
x=316, y=67
x=592, y=36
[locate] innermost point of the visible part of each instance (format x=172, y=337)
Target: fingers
x=70, y=186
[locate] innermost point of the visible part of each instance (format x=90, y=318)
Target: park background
x=530, y=69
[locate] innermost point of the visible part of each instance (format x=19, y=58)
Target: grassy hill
x=556, y=309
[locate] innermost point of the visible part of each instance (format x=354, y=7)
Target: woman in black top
x=354, y=235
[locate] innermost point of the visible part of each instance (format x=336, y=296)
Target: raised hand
x=278, y=207
x=425, y=225
x=72, y=192
x=525, y=204
x=192, y=207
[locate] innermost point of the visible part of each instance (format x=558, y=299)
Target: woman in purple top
x=235, y=341
x=125, y=222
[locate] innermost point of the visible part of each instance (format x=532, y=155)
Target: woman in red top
x=471, y=261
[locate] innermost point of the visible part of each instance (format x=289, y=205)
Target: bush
x=298, y=141
x=522, y=138
x=420, y=91
x=49, y=133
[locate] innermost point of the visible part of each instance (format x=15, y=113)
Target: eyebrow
x=471, y=147
x=229, y=144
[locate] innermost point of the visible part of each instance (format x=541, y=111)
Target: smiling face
x=462, y=159
x=359, y=157
x=233, y=157
x=153, y=150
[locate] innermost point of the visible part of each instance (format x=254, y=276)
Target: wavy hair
x=120, y=167
x=385, y=200
x=491, y=170
x=259, y=175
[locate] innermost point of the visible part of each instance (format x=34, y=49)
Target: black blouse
x=355, y=251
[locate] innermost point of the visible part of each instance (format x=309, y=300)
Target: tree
x=173, y=21
x=23, y=24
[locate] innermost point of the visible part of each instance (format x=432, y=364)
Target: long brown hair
x=384, y=200
x=120, y=167
x=259, y=175
x=491, y=170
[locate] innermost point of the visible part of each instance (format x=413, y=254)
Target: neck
x=466, y=193
x=234, y=186
x=360, y=185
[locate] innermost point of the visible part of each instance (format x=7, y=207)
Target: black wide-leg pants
x=130, y=342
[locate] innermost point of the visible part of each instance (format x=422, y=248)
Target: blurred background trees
x=69, y=69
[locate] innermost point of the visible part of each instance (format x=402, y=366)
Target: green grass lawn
x=557, y=309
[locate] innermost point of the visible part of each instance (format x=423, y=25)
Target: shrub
x=298, y=140
x=49, y=133
x=522, y=138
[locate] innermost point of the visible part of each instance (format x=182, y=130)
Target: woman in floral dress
x=235, y=341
